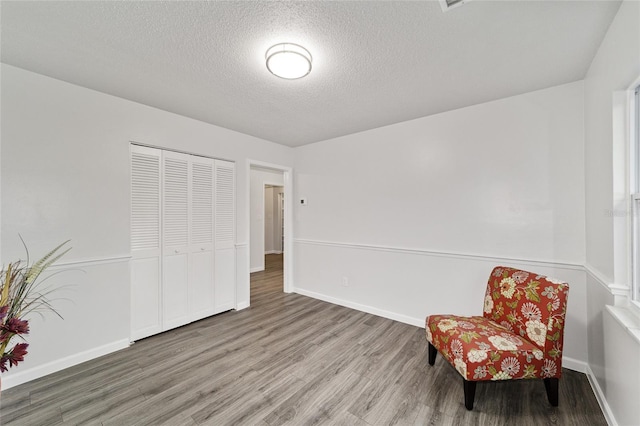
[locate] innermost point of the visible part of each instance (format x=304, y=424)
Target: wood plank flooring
x=288, y=359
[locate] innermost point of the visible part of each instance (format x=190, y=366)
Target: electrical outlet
x=345, y=282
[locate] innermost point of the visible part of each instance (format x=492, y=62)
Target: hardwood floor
x=288, y=359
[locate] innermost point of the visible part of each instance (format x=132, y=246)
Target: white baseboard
x=418, y=322
x=273, y=252
x=60, y=364
x=574, y=364
x=602, y=400
x=256, y=269
x=242, y=305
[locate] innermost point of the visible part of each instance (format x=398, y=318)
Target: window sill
x=628, y=319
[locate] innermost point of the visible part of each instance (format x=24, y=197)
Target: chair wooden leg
x=551, y=385
x=469, y=393
x=432, y=354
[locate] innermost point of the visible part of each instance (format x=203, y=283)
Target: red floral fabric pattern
x=519, y=336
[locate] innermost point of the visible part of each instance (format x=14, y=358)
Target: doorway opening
x=268, y=282
x=270, y=236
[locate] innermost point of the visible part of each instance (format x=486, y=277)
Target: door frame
x=288, y=257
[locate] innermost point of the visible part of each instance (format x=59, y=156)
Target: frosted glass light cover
x=288, y=60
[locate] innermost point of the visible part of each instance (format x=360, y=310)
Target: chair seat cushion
x=481, y=349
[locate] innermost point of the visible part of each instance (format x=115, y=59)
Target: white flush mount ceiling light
x=288, y=60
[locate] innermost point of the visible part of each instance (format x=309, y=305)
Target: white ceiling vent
x=450, y=4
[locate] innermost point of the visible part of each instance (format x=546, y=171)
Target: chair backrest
x=530, y=305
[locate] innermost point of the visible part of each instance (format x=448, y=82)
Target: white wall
x=416, y=214
x=622, y=371
x=65, y=175
x=259, y=178
x=615, y=67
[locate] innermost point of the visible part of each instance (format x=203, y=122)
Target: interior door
x=225, y=236
x=175, y=260
x=146, y=297
x=201, y=279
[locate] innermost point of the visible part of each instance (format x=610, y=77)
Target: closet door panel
x=146, y=297
x=225, y=235
x=176, y=196
x=201, y=287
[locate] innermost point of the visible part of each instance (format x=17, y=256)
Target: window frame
x=634, y=150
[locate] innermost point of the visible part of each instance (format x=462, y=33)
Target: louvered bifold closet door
x=175, y=259
x=145, y=241
x=225, y=235
x=201, y=287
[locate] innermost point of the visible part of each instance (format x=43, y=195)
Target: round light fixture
x=288, y=60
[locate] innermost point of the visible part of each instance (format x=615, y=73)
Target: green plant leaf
x=37, y=268
x=21, y=294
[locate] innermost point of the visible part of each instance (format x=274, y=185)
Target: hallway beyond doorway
x=270, y=280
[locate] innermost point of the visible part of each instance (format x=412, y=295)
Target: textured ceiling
x=374, y=63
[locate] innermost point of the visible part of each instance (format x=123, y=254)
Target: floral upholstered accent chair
x=519, y=335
